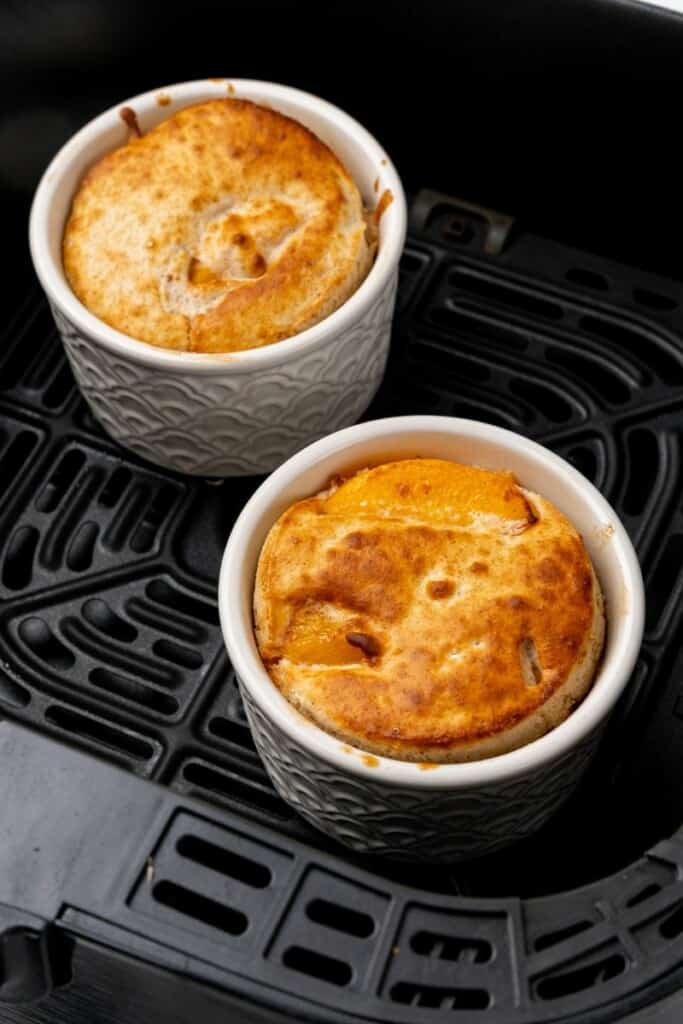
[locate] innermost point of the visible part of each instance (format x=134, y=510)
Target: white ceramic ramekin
x=244, y=412
x=395, y=807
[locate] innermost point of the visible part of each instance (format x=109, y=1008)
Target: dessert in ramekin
x=406, y=808
x=223, y=413
x=429, y=611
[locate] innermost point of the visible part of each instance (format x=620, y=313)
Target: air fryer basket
x=136, y=818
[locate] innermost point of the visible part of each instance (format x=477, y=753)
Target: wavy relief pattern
x=234, y=425
x=408, y=823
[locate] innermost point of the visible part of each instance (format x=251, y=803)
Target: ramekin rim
x=587, y=717
x=346, y=316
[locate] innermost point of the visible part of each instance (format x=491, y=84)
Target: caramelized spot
x=385, y=201
x=479, y=568
x=440, y=588
x=370, y=646
x=548, y=571
x=517, y=602
x=130, y=119
x=258, y=264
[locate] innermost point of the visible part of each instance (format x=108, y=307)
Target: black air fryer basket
x=148, y=869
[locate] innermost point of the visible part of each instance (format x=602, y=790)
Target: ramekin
x=238, y=413
x=396, y=807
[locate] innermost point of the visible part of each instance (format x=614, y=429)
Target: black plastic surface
x=110, y=645
x=34, y=957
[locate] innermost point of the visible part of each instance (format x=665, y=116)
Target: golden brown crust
x=429, y=611
x=228, y=226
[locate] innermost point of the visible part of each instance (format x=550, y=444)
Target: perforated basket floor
x=109, y=644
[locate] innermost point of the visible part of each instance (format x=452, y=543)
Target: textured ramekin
x=238, y=413
x=395, y=807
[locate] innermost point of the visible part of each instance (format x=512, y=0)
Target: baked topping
x=228, y=226
x=365, y=643
x=429, y=611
